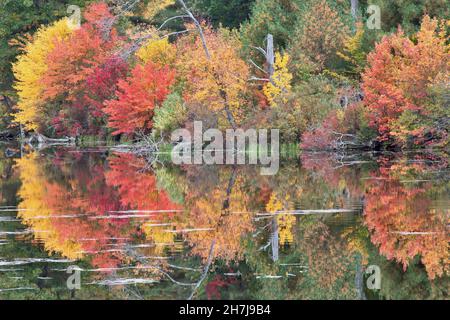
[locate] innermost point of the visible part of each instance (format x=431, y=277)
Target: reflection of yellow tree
x=285, y=222
x=35, y=212
x=69, y=216
x=161, y=236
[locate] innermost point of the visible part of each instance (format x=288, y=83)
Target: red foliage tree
x=138, y=95
x=398, y=79
x=322, y=138
x=72, y=68
x=102, y=84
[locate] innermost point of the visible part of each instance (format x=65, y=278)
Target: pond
x=94, y=223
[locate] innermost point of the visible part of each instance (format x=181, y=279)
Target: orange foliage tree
x=398, y=79
x=218, y=83
x=75, y=60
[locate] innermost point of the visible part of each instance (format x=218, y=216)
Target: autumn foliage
x=29, y=70
x=137, y=96
x=109, y=78
x=398, y=80
x=211, y=83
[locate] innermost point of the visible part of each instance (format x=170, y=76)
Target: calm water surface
x=223, y=232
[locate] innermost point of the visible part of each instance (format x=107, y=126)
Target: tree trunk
x=270, y=56
x=354, y=9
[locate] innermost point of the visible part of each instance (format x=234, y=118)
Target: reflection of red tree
x=333, y=170
x=76, y=211
x=404, y=224
x=138, y=190
x=213, y=287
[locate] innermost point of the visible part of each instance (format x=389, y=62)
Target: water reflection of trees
x=401, y=196
x=403, y=216
x=78, y=209
x=231, y=228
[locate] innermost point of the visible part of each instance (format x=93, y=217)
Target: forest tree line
x=134, y=68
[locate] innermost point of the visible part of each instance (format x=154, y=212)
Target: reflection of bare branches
x=40, y=142
x=136, y=256
x=205, y=271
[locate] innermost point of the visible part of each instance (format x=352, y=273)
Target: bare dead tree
x=199, y=27
x=269, y=56
x=354, y=9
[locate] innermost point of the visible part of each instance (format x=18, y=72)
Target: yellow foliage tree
x=158, y=51
x=29, y=69
x=279, y=87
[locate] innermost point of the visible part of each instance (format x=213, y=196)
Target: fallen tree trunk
x=41, y=139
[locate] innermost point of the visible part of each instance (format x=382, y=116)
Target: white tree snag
x=354, y=9
x=270, y=56
x=199, y=27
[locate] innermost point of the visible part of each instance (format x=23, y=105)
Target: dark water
x=223, y=232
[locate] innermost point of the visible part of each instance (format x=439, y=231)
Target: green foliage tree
x=281, y=18
x=229, y=13
x=408, y=14
x=170, y=115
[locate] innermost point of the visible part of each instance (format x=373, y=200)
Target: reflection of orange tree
x=219, y=214
x=138, y=191
x=404, y=224
x=74, y=219
x=401, y=216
